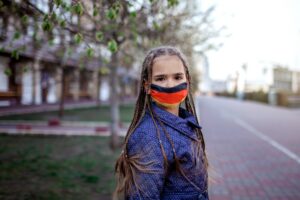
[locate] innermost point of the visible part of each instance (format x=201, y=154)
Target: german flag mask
x=169, y=97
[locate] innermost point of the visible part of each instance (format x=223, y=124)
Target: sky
x=263, y=33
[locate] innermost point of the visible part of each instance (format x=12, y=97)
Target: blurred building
x=32, y=73
x=278, y=78
x=286, y=80
x=261, y=81
x=205, y=84
x=296, y=82
x=231, y=83
x=24, y=84
x=282, y=79
x=218, y=86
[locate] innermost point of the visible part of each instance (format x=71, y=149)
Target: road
x=253, y=149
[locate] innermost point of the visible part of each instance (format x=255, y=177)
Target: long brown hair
x=125, y=166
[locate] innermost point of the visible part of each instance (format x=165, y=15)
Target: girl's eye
x=160, y=79
x=178, y=77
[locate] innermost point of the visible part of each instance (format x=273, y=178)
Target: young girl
x=164, y=151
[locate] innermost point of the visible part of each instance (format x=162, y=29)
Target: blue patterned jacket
x=171, y=185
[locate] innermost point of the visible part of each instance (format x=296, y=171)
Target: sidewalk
x=56, y=127
x=24, y=109
x=69, y=104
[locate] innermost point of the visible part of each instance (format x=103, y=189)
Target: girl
x=164, y=151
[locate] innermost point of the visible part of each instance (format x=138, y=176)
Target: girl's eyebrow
x=180, y=73
x=176, y=74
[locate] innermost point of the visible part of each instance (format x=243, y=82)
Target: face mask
x=169, y=97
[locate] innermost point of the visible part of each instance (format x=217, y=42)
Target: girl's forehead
x=167, y=63
x=166, y=58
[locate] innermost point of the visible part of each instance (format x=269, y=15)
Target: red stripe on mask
x=169, y=98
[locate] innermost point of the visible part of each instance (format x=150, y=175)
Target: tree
x=106, y=30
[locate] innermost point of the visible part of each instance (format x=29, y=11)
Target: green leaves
x=62, y=23
x=78, y=8
x=47, y=25
x=90, y=52
x=104, y=70
x=66, y=7
x=133, y=14
x=7, y=72
x=53, y=17
x=15, y=54
x=172, y=3
x=95, y=12
x=112, y=46
x=17, y=35
x=78, y=38
x=51, y=42
x=63, y=18
x=58, y=2
x=49, y=22
x=155, y=25
x=111, y=14
x=24, y=19
x=99, y=36
x=105, y=60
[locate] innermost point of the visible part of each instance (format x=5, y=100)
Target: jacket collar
x=184, y=114
x=183, y=123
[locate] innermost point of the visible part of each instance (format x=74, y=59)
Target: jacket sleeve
x=150, y=182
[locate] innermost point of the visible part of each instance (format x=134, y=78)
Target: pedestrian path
x=55, y=126
x=59, y=128
x=24, y=109
x=253, y=150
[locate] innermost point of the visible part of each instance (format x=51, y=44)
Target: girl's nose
x=170, y=84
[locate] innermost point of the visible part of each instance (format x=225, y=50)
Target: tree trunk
x=37, y=69
x=98, y=86
x=114, y=99
x=63, y=80
x=33, y=82
x=62, y=96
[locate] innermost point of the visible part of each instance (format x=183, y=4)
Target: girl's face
x=168, y=71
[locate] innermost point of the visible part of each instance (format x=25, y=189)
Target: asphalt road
x=253, y=149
